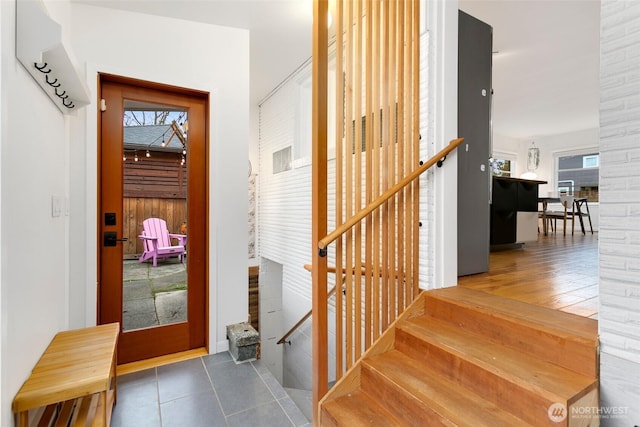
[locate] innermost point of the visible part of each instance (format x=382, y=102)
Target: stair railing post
x=320, y=365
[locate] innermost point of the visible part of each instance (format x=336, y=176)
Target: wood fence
x=137, y=209
x=154, y=187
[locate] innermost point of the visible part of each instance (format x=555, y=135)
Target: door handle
x=111, y=238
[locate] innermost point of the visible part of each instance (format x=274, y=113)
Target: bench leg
x=105, y=408
x=23, y=419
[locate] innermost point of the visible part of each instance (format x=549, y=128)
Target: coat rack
x=40, y=49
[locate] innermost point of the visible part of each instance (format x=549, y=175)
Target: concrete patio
x=154, y=296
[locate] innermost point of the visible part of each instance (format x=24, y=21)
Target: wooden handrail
x=308, y=267
x=303, y=318
x=332, y=291
x=347, y=225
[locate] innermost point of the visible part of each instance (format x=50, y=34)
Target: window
x=501, y=167
x=503, y=164
x=578, y=175
x=592, y=161
x=281, y=160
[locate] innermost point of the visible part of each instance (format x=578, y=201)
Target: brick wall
x=427, y=189
x=619, y=318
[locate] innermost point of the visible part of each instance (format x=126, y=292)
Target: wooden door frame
x=199, y=332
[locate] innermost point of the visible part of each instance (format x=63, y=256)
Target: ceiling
x=280, y=34
x=545, y=65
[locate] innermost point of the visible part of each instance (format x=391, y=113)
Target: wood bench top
x=76, y=363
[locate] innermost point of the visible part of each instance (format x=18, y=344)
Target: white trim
x=442, y=18
x=91, y=212
x=220, y=347
x=505, y=155
x=576, y=151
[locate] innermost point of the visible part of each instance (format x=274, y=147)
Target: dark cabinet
x=504, y=205
x=514, y=210
x=527, y=196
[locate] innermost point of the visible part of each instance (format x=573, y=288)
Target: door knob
x=111, y=238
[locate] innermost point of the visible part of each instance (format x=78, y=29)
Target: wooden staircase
x=460, y=357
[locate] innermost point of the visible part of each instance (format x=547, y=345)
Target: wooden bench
x=74, y=382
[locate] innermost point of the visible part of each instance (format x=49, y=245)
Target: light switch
x=482, y=167
x=56, y=206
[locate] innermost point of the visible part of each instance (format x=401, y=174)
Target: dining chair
x=578, y=204
x=567, y=213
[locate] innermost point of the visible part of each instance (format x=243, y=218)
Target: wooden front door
x=152, y=164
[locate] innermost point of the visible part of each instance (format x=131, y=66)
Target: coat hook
x=41, y=69
x=61, y=95
x=69, y=105
x=54, y=83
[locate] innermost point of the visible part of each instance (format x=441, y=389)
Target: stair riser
x=403, y=405
x=327, y=419
x=571, y=353
x=523, y=403
x=485, y=374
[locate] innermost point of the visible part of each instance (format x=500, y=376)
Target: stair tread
x=442, y=395
x=563, y=324
x=357, y=409
x=560, y=338
x=514, y=365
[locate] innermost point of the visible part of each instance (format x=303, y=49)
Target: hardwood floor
x=559, y=272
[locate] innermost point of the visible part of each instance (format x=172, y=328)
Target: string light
x=181, y=133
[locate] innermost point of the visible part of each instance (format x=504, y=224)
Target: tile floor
x=207, y=391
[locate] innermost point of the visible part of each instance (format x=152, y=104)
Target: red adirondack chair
x=156, y=241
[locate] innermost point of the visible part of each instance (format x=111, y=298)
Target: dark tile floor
x=208, y=391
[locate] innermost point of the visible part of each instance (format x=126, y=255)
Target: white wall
x=34, y=166
x=48, y=275
x=441, y=106
x=2, y=340
x=197, y=56
x=505, y=145
x=285, y=224
x=619, y=312
x=270, y=296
